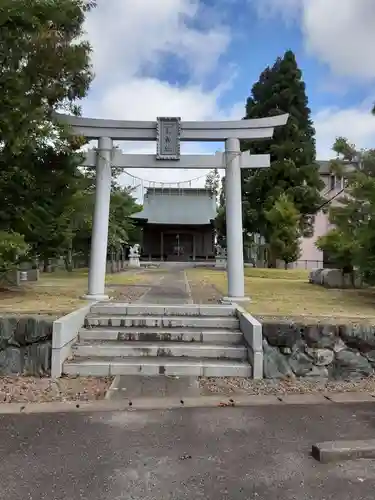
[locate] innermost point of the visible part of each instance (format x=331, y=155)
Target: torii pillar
x=100, y=223
x=233, y=200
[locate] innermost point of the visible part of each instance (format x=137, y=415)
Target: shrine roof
x=188, y=206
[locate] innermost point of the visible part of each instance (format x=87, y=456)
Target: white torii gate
x=168, y=132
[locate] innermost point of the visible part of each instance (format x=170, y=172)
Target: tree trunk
x=271, y=260
x=68, y=259
x=45, y=265
x=352, y=278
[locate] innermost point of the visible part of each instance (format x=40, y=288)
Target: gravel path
x=128, y=293
x=232, y=385
x=43, y=390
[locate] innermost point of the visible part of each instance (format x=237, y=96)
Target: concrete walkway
x=212, y=454
x=135, y=386
x=172, y=288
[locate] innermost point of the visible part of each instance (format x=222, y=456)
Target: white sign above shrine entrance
x=168, y=138
x=168, y=132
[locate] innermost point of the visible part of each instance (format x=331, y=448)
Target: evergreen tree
x=293, y=170
x=284, y=220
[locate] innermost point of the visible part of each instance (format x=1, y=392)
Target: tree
x=220, y=221
x=339, y=247
x=12, y=249
x=284, y=221
x=121, y=227
x=213, y=182
x=44, y=66
x=46, y=220
x=293, y=170
x=351, y=243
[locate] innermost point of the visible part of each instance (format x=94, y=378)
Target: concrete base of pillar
x=235, y=300
x=95, y=298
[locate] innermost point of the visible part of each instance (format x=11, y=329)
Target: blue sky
x=199, y=58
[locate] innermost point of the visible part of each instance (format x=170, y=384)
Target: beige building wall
x=311, y=257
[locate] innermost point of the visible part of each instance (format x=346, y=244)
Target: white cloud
x=356, y=124
x=130, y=41
x=147, y=98
x=130, y=37
x=341, y=33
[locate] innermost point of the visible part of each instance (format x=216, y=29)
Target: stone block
x=33, y=275
x=220, y=263
x=361, y=337
x=37, y=360
x=217, y=310
x=256, y=361
x=134, y=262
x=337, y=451
x=275, y=364
x=315, y=276
x=251, y=329
x=335, y=278
x=300, y=363
x=350, y=397
x=282, y=335
x=350, y=364
x=11, y=361
x=320, y=336
x=65, y=331
x=320, y=357
x=303, y=399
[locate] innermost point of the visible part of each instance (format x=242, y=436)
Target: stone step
x=103, y=367
x=163, y=349
x=134, y=334
x=93, y=320
x=117, y=308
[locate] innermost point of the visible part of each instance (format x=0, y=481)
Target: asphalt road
x=257, y=453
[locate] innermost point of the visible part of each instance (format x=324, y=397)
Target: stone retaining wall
x=327, y=351
x=25, y=345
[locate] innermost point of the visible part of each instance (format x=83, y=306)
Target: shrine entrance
x=168, y=134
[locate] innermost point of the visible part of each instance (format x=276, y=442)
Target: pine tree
x=293, y=171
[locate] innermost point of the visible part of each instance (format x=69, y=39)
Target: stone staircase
x=131, y=339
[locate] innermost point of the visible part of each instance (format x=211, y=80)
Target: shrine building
x=177, y=224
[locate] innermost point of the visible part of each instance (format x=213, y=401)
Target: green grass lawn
x=287, y=293
x=59, y=292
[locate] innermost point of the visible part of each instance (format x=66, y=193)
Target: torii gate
x=168, y=132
